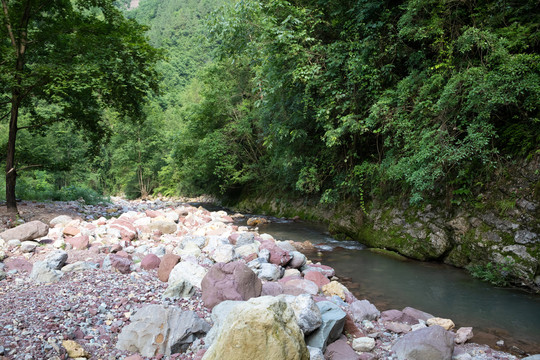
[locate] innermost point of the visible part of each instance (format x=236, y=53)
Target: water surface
x=444, y=291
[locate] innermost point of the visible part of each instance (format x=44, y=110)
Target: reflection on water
x=441, y=290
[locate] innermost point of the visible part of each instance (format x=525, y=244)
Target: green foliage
x=496, y=274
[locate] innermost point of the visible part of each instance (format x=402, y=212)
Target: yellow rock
x=334, y=288
x=447, y=324
x=74, y=350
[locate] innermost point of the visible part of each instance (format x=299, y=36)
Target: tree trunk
x=11, y=174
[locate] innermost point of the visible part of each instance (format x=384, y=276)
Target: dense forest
x=330, y=100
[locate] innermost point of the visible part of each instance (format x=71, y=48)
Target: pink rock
x=227, y=219
x=417, y=314
x=134, y=357
x=121, y=264
x=398, y=316
x=340, y=350
x=286, y=279
x=463, y=335
x=124, y=254
x=233, y=238
x=127, y=230
x=229, y=281
x=154, y=213
x=150, y=262
x=79, y=242
x=397, y=327
x=168, y=262
x=271, y=288
x=278, y=256
x=19, y=264
x=200, y=354
x=216, y=232
x=300, y=286
x=317, y=277
x=326, y=270
x=116, y=248
x=351, y=328
x=71, y=231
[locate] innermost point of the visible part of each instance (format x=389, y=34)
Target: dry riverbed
x=102, y=282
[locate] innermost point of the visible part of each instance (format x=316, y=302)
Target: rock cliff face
x=498, y=231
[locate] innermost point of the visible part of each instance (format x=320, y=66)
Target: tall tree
x=77, y=57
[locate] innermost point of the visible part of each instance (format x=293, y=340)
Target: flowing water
x=444, y=291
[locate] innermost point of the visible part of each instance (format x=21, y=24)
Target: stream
x=494, y=313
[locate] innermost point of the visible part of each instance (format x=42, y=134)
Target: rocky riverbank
x=155, y=279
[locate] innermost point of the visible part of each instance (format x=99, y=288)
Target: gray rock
x=189, y=271
x=285, y=245
x=526, y=237
x=200, y=241
x=79, y=266
x=315, y=353
x=14, y=243
x=42, y=273
x=2, y=275
x=181, y=289
x=219, y=314
x=158, y=329
x=269, y=272
x=526, y=205
x=57, y=259
x=28, y=246
x=417, y=314
x=432, y=343
x=308, y=314
x=29, y=231
x=298, y=259
x=245, y=239
x=532, y=357
x=364, y=310
x=363, y=344
x=333, y=321
x=62, y=219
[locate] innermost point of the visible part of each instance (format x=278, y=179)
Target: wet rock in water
x=308, y=314
x=150, y=262
x=340, y=350
x=257, y=221
x=363, y=344
x=231, y=281
x=185, y=270
x=364, y=310
x=28, y=231
x=463, y=335
x=260, y=328
x=333, y=321
x=155, y=329
x=168, y=262
x=447, y=324
x=432, y=343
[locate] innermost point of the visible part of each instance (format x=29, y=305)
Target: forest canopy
x=326, y=99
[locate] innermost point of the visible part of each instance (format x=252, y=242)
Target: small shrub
x=496, y=274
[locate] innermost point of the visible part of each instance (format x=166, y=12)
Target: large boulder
x=150, y=262
x=260, y=328
x=231, y=281
x=185, y=270
x=29, y=231
x=308, y=315
x=42, y=273
x=432, y=343
x=333, y=321
x=155, y=329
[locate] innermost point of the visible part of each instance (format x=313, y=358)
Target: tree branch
x=34, y=126
x=29, y=167
x=8, y=26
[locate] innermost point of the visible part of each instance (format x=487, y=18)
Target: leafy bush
x=496, y=274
